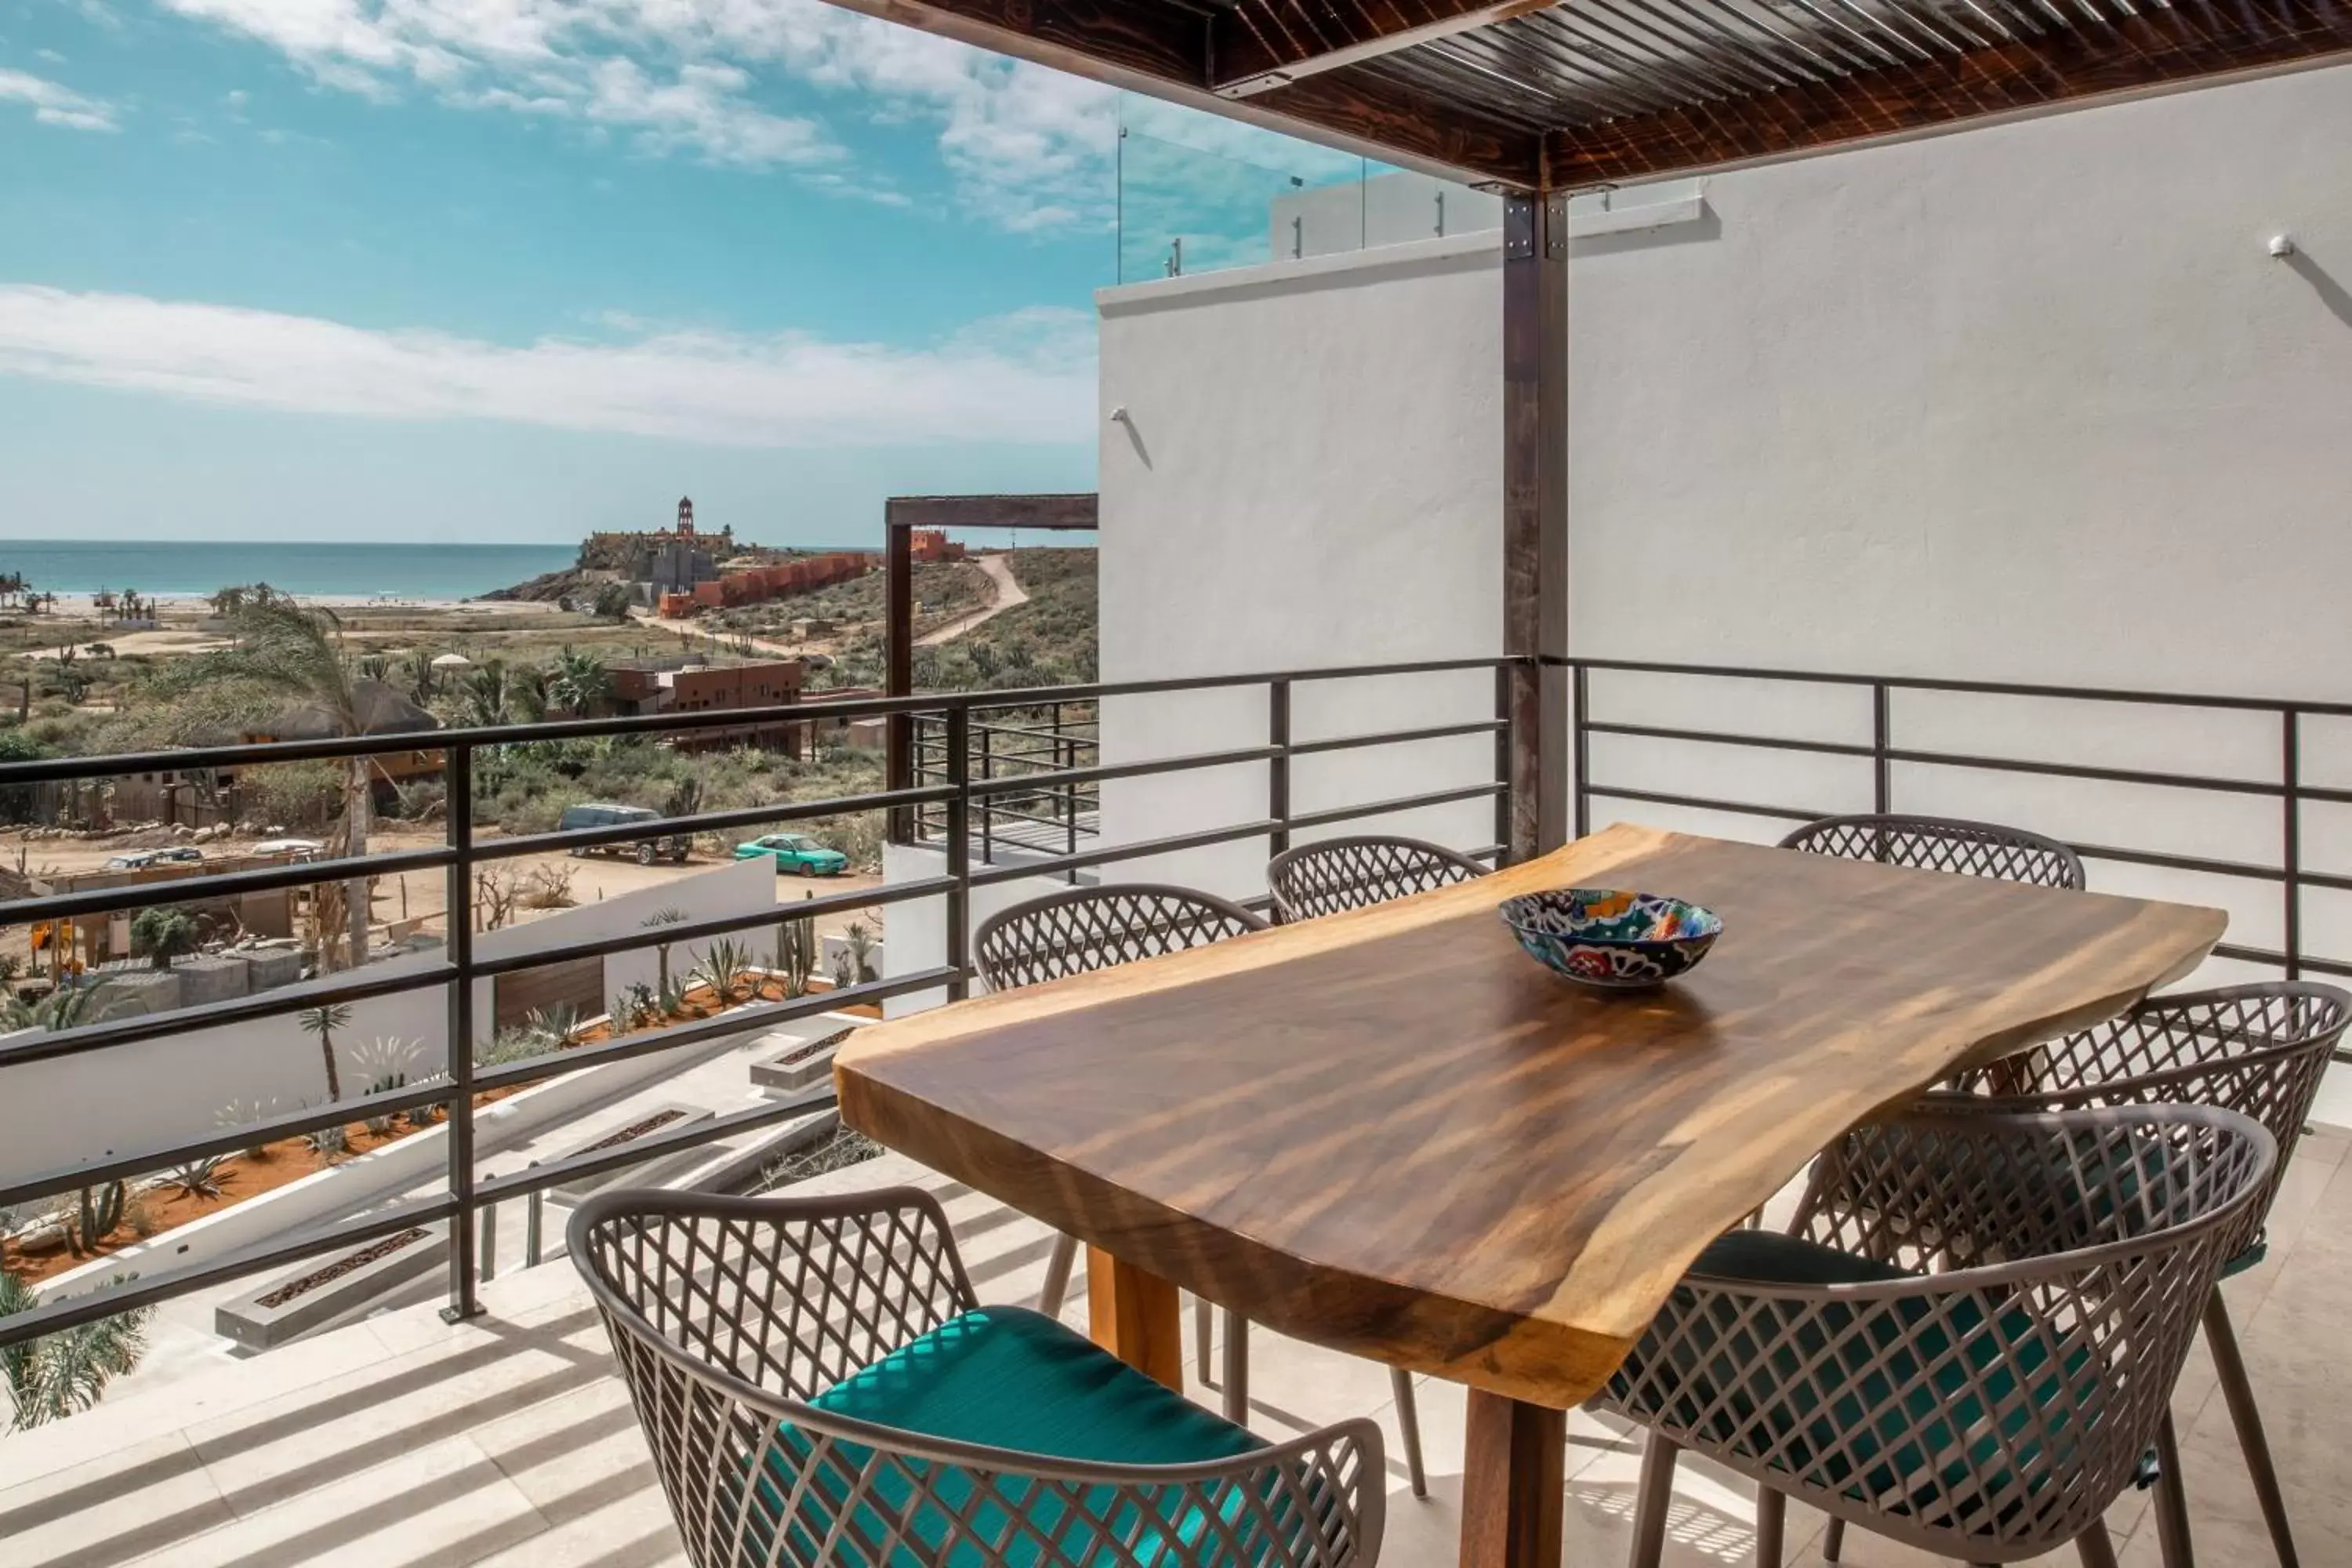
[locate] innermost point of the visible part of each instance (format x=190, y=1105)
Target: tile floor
x=506, y=1441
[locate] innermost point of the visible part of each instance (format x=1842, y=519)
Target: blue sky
x=513, y=269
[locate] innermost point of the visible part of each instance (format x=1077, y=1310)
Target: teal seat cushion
x=1816, y=1383
x=1006, y=1378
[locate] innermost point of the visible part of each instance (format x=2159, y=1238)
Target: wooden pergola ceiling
x=1530, y=96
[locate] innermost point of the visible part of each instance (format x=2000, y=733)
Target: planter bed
x=800, y=1064
x=321, y=1291
x=655, y=1121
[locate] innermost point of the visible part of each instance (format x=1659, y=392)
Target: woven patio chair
x=1085, y=928
x=821, y=1389
x=2260, y=1050
x=1335, y=874
x=1968, y=1338
x=1943, y=843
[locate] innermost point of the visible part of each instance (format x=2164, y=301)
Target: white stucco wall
x=2033, y=403
x=1304, y=476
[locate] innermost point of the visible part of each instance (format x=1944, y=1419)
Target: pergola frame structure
x=1537, y=99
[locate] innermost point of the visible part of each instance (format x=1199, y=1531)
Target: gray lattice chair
x=2260, y=1050
x=1335, y=874
x=1943, y=843
x=1081, y=929
x=820, y=1387
x=1969, y=1335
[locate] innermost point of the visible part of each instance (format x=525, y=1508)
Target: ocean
x=193, y=568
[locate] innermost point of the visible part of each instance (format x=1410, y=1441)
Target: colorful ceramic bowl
x=1600, y=936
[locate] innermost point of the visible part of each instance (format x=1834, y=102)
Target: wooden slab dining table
x=1392, y=1132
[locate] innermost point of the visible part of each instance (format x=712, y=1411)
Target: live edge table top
x=1392, y=1132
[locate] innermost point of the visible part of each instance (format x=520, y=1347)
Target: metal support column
x=2290, y=837
x=457, y=796
x=899, y=667
x=1535, y=513
x=959, y=815
x=1277, y=767
x=1882, y=742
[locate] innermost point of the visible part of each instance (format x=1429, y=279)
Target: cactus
x=797, y=954
x=98, y=1210
x=389, y=1083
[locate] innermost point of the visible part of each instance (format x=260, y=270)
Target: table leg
x=1514, y=1465
x=1131, y=1312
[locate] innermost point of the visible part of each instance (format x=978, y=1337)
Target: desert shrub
x=297, y=795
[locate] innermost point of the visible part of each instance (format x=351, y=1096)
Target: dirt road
x=1009, y=593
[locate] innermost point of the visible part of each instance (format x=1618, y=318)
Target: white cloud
x=1025, y=378
x=1027, y=148
x=53, y=104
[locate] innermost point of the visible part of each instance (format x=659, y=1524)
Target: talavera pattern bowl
x=1601, y=936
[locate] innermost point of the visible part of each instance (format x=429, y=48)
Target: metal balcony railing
x=949, y=791
x=974, y=769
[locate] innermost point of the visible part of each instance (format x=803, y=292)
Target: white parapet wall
x=2039, y=403
x=157, y=1092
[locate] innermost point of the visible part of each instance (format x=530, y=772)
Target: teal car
x=796, y=852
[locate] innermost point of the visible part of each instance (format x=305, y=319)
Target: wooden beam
x=1261, y=44
x=1055, y=511
x=2067, y=68
x=1162, y=48
x=1535, y=513
x=1416, y=127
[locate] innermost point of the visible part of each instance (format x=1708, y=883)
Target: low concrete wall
x=386, y=1173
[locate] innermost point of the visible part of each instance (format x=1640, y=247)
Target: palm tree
x=661, y=949
x=283, y=644
x=580, y=682
x=323, y=1022
x=52, y=1377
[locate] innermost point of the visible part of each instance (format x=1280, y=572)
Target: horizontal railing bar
x=1056, y=865
x=539, y=1178
x=689, y=930
x=262, y=754
x=228, y=1140
x=2167, y=860
x=89, y=1307
x=226, y=884
x=1394, y=737
x=2090, y=772
x=217, y=1015
x=1033, y=783
x=1229, y=759
x=758, y=1016
x=1705, y=803
x=1980, y=687
x=1728, y=737
x=1485, y=790
x=706, y=822
x=1953, y=759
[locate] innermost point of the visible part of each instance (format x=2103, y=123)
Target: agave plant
x=244, y=1113
x=328, y=1143
x=724, y=964
x=199, y=1178
x=559, y=1026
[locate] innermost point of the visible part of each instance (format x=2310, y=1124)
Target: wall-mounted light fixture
x=2281, y=245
